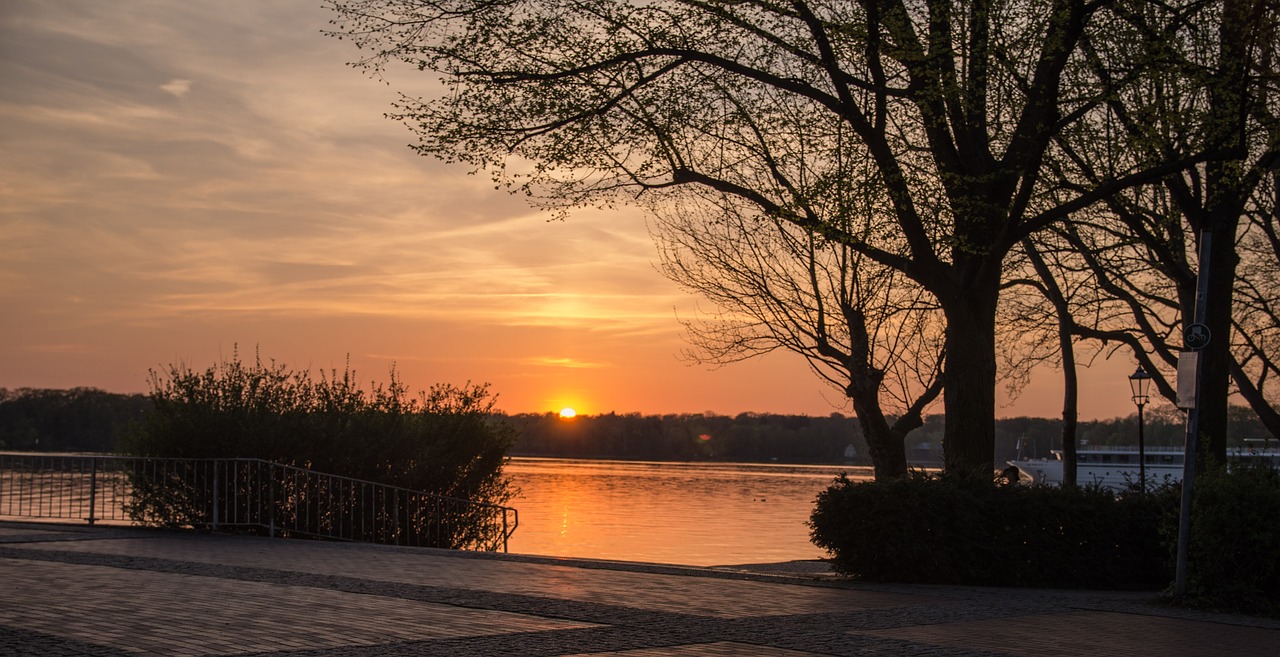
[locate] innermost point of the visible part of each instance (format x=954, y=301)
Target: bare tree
x=863, y=328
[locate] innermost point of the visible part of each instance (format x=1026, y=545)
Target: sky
x=180, y=181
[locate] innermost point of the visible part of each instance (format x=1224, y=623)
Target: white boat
x=1117, y=467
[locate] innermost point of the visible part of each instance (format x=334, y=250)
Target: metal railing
x=244, y=494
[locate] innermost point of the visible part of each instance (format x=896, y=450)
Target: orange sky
x=177, y=178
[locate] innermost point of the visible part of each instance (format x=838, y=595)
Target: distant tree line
x=75, y=420
x=91, y=420
x=756, y=437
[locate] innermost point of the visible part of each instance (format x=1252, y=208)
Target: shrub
x=940, y=529
x=1235, y=540
x=444, y=441
x=944, y=530
x=916, y=529
x=1079, y=537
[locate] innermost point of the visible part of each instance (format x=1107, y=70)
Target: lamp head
x=1139, y=383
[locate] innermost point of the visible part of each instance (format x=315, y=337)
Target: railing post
x=93, y=489
x=214, y=483
x=271, y=501
x=395, y=516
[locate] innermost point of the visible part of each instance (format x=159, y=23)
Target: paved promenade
x=109, y=592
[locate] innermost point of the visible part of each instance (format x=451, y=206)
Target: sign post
x=1195, y=337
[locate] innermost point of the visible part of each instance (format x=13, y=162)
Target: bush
x=1085, y=537
x=444, y=441
x=917, y=529
x=945, y=530
x=1235, y=540
x=940, y=529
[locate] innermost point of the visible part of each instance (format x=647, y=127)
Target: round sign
x=1196, y=336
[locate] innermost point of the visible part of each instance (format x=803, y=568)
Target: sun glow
x=567, y=413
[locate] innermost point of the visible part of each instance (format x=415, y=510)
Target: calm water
x=695, y=514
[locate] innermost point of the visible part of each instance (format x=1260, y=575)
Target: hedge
x=937, y=529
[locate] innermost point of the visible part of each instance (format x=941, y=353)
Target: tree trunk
x=1066, y=348
x=969, y=382
x=1225, y=197
x=1216, y=359
x=887, y=447
x=1070, y=408
x=887, y=451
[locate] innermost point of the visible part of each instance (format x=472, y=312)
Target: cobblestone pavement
x=109, y=592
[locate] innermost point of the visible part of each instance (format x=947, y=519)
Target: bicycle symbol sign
x=1196, y=336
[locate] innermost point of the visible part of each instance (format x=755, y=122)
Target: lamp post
x=1139, y=381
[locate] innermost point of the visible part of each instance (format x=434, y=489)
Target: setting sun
x=567, y=413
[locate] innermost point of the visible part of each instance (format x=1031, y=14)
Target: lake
x=697, y=514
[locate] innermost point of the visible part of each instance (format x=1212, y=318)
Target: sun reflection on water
x=679, y=513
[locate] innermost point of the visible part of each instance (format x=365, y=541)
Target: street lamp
x=1139, y=381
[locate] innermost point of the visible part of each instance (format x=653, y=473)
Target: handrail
x=246, y=494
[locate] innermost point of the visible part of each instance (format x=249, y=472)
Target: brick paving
x=110, y=592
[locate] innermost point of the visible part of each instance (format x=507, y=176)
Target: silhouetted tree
x=862, y=327
x=945, y=108
x=1204, y=88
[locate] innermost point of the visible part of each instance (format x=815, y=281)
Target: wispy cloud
x=177, y=86
x=548, y=361
x=59, y=348
x=205, y=169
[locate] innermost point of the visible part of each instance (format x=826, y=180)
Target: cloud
x=275, y=185
x=547, y=361
x=178, y=87
x=59, y=348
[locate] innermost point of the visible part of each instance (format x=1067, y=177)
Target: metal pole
x=1193, y=428
x=1142, y=452
x=214, y=486
x=1188, y=476
x=271, y=502
x=93, y=488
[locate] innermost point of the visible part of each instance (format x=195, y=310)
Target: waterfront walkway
x=109, y=592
